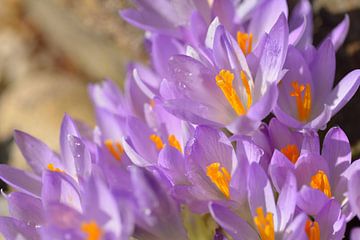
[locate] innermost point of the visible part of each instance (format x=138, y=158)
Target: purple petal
x=37, y=154
x=82, y=157
x=265, y=104
x=308, y=165
x=60, y=188
x=295, y=230
x=302, y=15
x=344, y=91
x=100, y=202
x=331, y=221
x=311, y=143
x=139, y=134
x=209, y=146
x=111, y=125
x=337, y=151
x=355, y=234
x=155, y=207
x=232, y=223
x=273, y=56
x=172, y=163
x=323, y=78
x=260, y=192
x=23, y=181
x=163, y=47
x=68, y=128
x=279, y=168
x=339, y=33
x=15, y=229
x=286, y=202
x=265, y=17
x=25, y=208
x=107, y=95
x=246, y=153
x=354, y=192
x=310, y=200
x=224, y=10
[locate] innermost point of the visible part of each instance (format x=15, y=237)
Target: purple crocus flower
x=102, y=216
x=214, y=171
x=307, y=99
x=41, y=158
x=290, y=142
x=229, y=90
x=324, y=175
x=268, y=219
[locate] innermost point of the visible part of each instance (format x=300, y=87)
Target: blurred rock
x=98, y=53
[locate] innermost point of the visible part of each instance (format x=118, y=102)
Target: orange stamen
x=157, y=141
x=247, y=88
x=224, y=81
x=92, y=230
x=174, y=142
x=321, y=182
x=115, y=148
x=291, y=151
x=303, y=103
x=264, y=224
x=220, y=177
x=52, y=168
x=312, y=230
x=245, y=42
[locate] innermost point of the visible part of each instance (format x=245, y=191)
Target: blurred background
x=51, y=49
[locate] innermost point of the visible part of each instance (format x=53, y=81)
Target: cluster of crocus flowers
x=184, y=152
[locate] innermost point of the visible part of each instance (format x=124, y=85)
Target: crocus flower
x=229, y=91
x=326, y=174
x=307, y=99
x=270, y=219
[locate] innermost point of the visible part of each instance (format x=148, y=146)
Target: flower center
x=264, y=224
x=220, y=177
x=92, y=230
x=245, y=42
x=115, y=148
x=303, y=101
x=224, y=80
x=172, y=140
x=52, y=168
x=312, y=230
x=291, y=151
x=321, y=182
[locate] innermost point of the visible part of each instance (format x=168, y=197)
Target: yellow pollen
x=157, y=141
x=52, y=168
x=174, y=142
x=264, y=224
x=291, y=151
x=220, y=177
x=115, y=148
x=224, y=80
x=92, y=230
x=321, y=182
x=312, y=230
x=303, y=101
x=245, y=42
